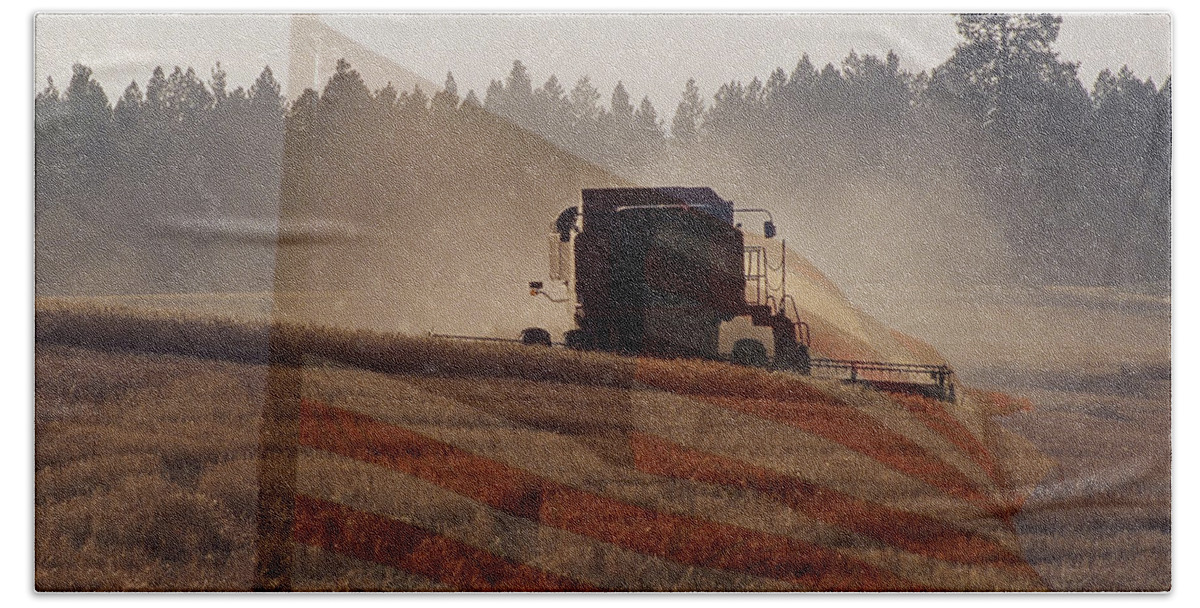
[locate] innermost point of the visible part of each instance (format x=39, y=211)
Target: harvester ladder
x=755, y=270
x=759, y=300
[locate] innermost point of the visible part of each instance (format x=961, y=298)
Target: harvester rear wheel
x=535, y=336
x=749, y=352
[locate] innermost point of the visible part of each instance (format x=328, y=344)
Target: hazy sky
x=653, y=54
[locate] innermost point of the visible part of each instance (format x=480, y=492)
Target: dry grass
x=147, y=430
x=1102, y=520
x=1119, y=547
x=147, y=427
x=112, y=329
x=144, y=533
x=141, y=467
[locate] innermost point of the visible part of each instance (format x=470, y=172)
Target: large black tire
x=578, y=339
x=535, y=336
x=793, y=357
x=803, y=362
x=750, y=353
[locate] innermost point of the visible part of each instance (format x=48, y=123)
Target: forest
x=1076, y=180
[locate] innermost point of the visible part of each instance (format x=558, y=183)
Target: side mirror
x=565, y=223
x=769, y=229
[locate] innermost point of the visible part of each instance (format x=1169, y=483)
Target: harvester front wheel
x=577, y=339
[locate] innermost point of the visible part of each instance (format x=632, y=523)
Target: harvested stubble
x=148, y=429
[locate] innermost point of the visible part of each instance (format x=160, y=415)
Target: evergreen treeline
x=135, y=191
x=1079, y=180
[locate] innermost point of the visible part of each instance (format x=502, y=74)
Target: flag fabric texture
x=679, y=477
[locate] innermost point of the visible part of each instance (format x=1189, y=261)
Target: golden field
x=148, y=444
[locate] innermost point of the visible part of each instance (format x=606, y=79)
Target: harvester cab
x=662, y=272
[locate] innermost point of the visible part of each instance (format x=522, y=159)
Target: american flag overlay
x=667, y=476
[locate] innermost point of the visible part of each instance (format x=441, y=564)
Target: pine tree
x=265, y=95
x=187, y=98
x=218, y=83
x=584, y=98
x=385, y=99
x=129, y=108
x=775, y=85
x=552, y=91
x=518, y=85
x=415, y=105
x=647, y=132
x=302, y=113
x=1002, y=61
x=156, y=95
x=446, y=100
x=48, y=127
x=728, y=113
x=84, y=99
x=495, y=99
x=550, y=113
x=346, y=93
x=471, y=101
x=620, y=107
x=46, y=105
x=685, y=127
x=646, y=119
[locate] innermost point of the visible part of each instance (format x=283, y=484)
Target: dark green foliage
x=132, y=193
x=1079, y=182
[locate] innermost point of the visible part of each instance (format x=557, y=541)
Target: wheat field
x=147, y=444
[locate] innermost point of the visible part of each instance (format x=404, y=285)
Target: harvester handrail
x=663, y=206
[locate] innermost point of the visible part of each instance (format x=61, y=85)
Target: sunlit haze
x=652, y=54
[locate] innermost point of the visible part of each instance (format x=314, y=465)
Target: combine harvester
x=665, y=272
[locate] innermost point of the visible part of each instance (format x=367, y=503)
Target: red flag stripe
x=935, y=416
x=423, y=504
x=803, y=406
x=577, y=462
x=712, y=544
x=390, y=542
x=680, y=538
x=911, y=532
x=863, y=434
